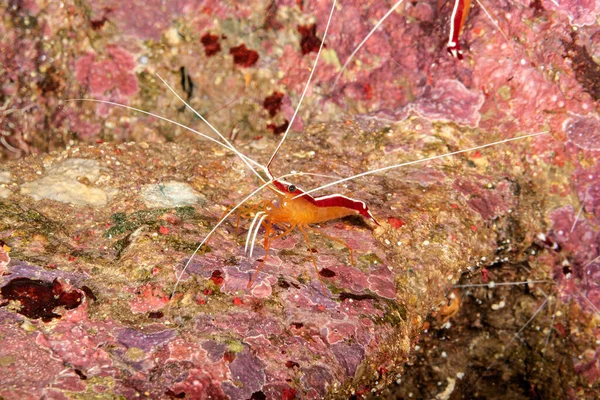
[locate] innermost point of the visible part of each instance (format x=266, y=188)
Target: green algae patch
x=135, y=354
x=6, y=361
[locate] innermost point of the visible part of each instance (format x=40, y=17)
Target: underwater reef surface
x=93, y=236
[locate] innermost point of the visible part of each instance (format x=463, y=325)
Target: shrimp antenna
x=229, y=147
x=422, y=160
x=304, y=92
x=377, y=25
x=228, y=144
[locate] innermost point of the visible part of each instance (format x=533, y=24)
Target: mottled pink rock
x=450, y=100
x=114, y=73
x=584, y=131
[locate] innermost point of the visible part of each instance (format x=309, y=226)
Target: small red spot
x=327, y=273
x=200, y=301
x=473, y=228
x=278, y=130
x=368, y=91
x=163, y=230
x=309, y=41
x=560, y=328
x=217, y=277
x=99, y=141
x=88, y=292
x=454, y=205
x=229, y=356
x=155, y=271
x=300, y=4
x=320, y=307
x=237, y=301
x=243, y=56
x=272, y=103
x=292, y=364
x=98, y=23
x=395, y=222
x=207, y=292
x=477, y=154
x=172, y=395
x=288, y=394
x=211, y=44
x=156, y=314
x=71, y=258
x=485, y=275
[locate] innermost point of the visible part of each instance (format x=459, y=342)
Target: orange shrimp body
x=299, y=211
x=295, y=208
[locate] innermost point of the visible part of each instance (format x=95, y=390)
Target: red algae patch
x=211, y=44
x=309, y=41
x=272, y=103
x=39, y=298
x=243, y=56
x=278, y=129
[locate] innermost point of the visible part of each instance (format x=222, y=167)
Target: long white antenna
x=177, y=124
x=377, y=25
x=229, y=145
x=305, y=88
x=376, y=171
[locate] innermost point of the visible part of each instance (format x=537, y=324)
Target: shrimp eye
x=291, y=188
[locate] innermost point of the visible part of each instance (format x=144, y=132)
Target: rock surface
x=103, y=222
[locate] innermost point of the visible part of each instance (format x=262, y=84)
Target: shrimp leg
x=267, y=245
x=337, y=240
x=313, y=258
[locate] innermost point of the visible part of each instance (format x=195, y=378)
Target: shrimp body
x=297, y=209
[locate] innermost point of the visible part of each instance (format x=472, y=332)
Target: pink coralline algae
x=587, y=183
x=450, y=100
x=145, y=19
x=148, y=298
x=589, y=365
x=584, y=131
x=4, y=258
x=577, y=266
x=580, y=12
x=488, y=202
x=114, y=73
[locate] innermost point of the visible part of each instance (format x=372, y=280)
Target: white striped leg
x=250, y=230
